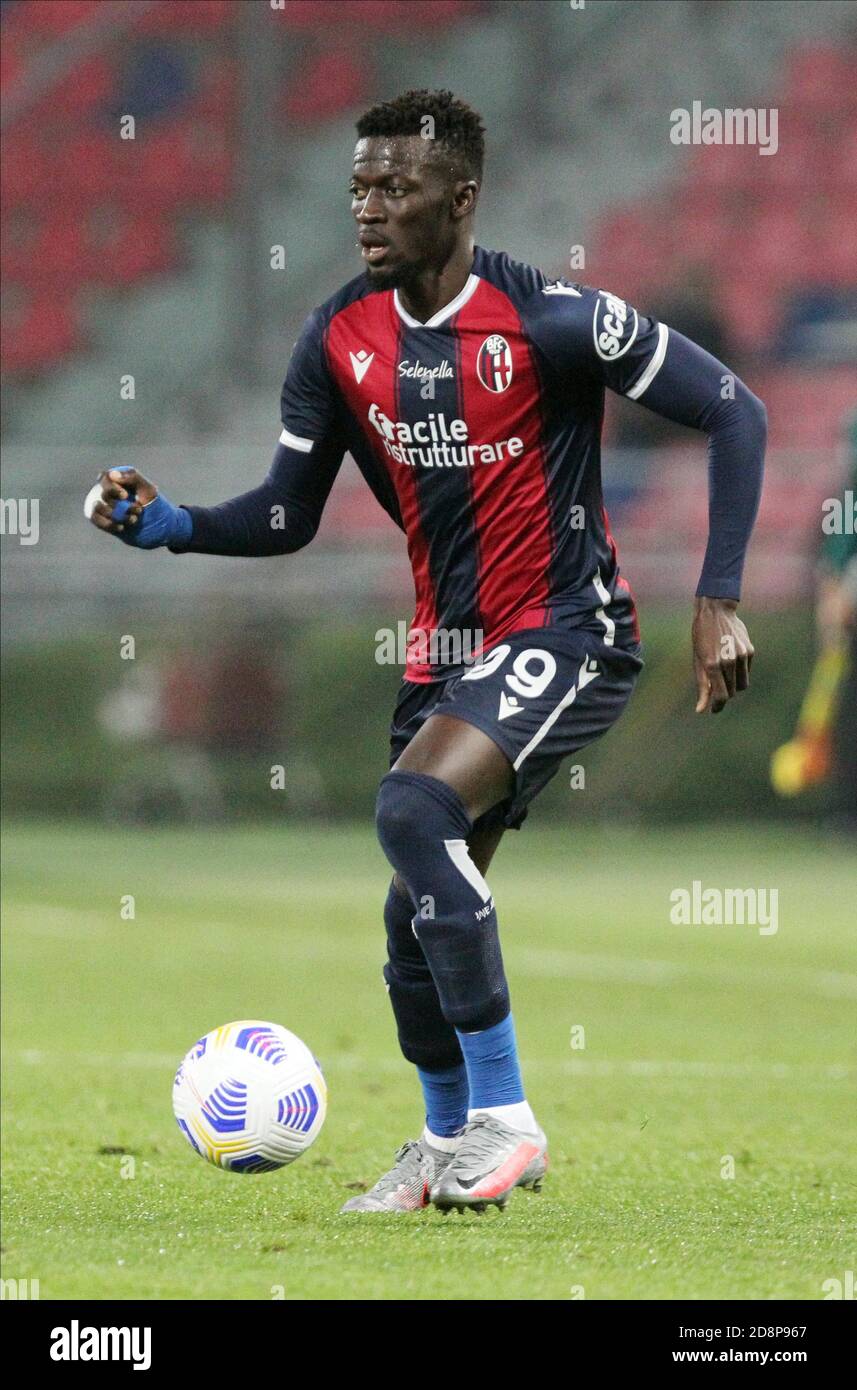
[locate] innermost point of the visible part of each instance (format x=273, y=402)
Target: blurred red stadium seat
x=751, y=312
x=24, y=167
x=700, y=225
x=840, y=256
x=388, y=15
x=184, y=163
x=12, y=62
x=87, y=167
x=748, y=215
x=352, y=511
x=216, y=94
x=807, y=406
x=55, y=253
x=331, y=83
x=776, y=244
x=133, y=248
x=39, y=330
x=785, y=172
x=821, y=77
x=189, y=16
x=65, y=248
x=632, y=242
x=843, y=155
x=52, y=18
x=89, y=86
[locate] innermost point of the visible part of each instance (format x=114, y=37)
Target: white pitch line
x=561, y=1066
x=533, y=961
x=574, y=965
x=784, y=1071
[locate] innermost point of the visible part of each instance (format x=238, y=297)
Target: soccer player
x=470, y=391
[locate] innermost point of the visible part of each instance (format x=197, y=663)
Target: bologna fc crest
x=494, y=363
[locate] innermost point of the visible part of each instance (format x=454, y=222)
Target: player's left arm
x=685, y=383
x=580, y=329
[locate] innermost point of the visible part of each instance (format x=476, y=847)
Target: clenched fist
x=128, y=506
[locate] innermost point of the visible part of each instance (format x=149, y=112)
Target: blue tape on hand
x=160, y=523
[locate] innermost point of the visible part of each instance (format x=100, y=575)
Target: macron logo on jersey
x=361, y=362
x=559, y=288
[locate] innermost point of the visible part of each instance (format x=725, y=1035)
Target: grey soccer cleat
x=407, y=1185
x=491, y=1160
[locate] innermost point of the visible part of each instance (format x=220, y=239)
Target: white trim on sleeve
x=294, y=441
x=656, y=361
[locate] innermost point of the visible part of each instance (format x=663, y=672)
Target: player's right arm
x=279, y=516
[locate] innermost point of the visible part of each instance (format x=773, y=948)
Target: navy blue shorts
x=540, y=694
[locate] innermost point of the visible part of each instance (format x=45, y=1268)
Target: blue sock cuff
x=446, y=1096
x=491, y=1058
x=490, y=1043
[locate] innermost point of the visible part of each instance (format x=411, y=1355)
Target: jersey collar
x=442, y=314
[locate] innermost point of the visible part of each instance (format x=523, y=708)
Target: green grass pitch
x=703, y=1044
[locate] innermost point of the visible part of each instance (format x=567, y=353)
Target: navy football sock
x=423, y=827
x=425, y=1037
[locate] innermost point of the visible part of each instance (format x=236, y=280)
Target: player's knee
x=414, y=813
x=397, y=817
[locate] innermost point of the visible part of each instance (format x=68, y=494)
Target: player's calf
x=425, y=1037
x=423, y=827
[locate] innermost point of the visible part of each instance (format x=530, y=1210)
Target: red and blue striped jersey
x=479, y=433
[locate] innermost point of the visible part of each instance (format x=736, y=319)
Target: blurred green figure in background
x=836, y=616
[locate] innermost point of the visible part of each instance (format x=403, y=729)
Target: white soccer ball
x=250, y=1097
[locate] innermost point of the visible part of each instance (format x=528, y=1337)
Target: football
x=250, y=1097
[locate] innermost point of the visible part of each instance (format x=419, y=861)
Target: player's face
x=403, y=206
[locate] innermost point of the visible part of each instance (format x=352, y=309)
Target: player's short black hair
x=457, y=127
